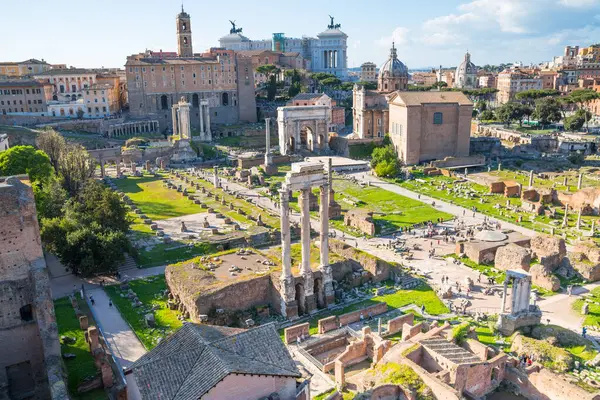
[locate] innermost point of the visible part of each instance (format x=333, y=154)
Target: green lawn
x=150, y=292
x=593, y=316
x=169, y=253
x=537, y=223
x=82, y=366
x=155, y=200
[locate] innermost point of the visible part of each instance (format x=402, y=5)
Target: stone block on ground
x=549, y=250
x=542, y=277
x=149, y=319
x=512, y=256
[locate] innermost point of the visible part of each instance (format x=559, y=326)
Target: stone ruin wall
x=256, y=291
x=379, y=269
x=543, y=384
x=28, y=347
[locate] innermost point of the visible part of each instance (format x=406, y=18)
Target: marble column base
x=289, y=309
x=310, y=303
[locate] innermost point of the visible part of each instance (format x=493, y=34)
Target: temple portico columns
x=174, y=117
x=216, y=177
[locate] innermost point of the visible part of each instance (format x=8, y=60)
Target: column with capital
x=305, y=271
x=268, y=156
x=326, y=275
x=289, y=308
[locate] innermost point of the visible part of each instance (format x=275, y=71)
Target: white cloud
x=579, y=3
x=400, y=36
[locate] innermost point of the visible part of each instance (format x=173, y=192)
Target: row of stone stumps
x=97, y=349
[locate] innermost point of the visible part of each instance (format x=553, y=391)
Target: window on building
x=27, y=91
x=152, y=69
x=28, y=101
x=103, y=109
x=89, y=109
x=143, y=69
x=97, y=110
x=438, y=118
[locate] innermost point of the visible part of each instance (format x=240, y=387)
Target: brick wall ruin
x=30, y=363
x=361, y=220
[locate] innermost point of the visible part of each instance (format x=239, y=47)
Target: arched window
x=73, y=97
x=225, y=99
x=183, y=27
x=195, y=100
x=62, y=88
x=164, y=103
x=184, y=40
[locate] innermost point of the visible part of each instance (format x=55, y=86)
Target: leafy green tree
x=75, y=167
x=270, y=71
x=576, y=121
x=513, y=112
x=53, y=144
x=384, y=161
x=487, y=115
x=50, y=198
x=19, y=160
x=331, y=82
x=481, y=106
x=582, y=98
x=439, y=85
x=89, y=235
x=530, y=96
x=368, y=85
x=547, y=111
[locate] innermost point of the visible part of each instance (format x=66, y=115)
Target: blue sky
x=427, y=33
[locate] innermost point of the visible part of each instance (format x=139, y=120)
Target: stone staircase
x=129, y=264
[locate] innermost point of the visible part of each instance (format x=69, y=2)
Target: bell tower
x=184, y=35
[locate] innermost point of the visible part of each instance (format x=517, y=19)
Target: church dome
x=466, y=67
x=393, y=67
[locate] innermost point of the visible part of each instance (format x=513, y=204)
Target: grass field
x=489, y=207
x=155, y=200
x=593, y=316
x=82, y=366
x=150, y=292
x=391, y=211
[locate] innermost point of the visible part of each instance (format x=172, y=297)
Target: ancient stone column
x=579, y=181
x=499, y=167
x=593, y=228
x=118, y=165
x=174, y=116
x=268, y=157
x=504, y=293
x=466, y=171
x=530, y=179
x=566, y=217
x=324, y=236
x=516, y=295
x=289, y=308
x=305, y=251
x=565, y=181
x=102, y=172
x=216, y=176
x=185, y=131
x=579, y=220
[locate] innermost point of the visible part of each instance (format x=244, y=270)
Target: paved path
x=126, y=346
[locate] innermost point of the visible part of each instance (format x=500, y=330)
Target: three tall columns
x=309, y=300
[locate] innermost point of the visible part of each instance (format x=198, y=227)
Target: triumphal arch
x=303, y=127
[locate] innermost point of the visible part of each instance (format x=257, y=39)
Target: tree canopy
x=384, y=161
x=547, y=111
x=20, y=160
x=89, y=234
x=270, y=71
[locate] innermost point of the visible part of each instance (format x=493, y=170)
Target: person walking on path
x=92, y=300
x=110, y=303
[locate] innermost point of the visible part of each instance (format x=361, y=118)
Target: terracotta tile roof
x=193, y=360
x=418, y=98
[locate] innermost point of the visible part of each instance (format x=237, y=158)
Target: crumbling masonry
x=30, y=364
